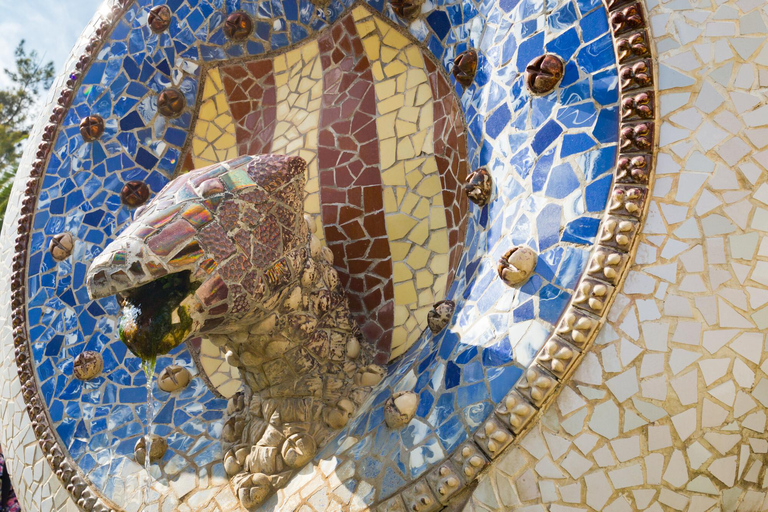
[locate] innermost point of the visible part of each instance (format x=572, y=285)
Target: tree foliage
x=30, y=78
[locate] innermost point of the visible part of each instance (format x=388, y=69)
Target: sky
x=49, y=26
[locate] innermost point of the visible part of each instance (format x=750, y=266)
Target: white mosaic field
x=668, y=411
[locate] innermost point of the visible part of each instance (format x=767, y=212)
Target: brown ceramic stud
x=400, y=408
x=88, y=365
x=91, y=128
x=465, y=67
x=639, y=105
x=238, y=26
x=134, y=193
x=173, y=378
x=61, y=246
x=478, y=186
x=517, y=265
x=170, y=103
x=156, y=450
x=159, y=18
x=406, y=9
x=440, y=314
x=544, y=73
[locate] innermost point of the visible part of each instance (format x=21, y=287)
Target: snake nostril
x=121, y=277
x=136, y=269
x=100, y=279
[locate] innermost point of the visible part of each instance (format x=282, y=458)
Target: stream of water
x=149, y=371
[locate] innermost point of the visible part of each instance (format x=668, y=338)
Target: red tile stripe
x=351, y=193
x=250, y=89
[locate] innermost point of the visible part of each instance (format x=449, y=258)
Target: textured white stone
x=677, y=470
x=624, y=385
x=680, y=359
x=659, y=437
x=749, y=345
x=605, y=420
x=655, y=335
x=686, y=388
x=713, y=415
x=629, y=476
x=722, y=442
x=576, y=465
x=725, y=392
x=724, y=469
x=626, y=448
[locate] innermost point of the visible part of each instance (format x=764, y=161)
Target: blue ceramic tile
x=594, y=24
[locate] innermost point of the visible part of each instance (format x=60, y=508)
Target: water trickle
x=148, y=365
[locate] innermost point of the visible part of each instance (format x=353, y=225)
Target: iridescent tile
x=187, y=255
x=142, y=232
x=197, y=215
x=170, y=237
x=118, y=259
x=158, y=219
x=237, y=180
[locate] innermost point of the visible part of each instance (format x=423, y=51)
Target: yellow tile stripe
x=225, y=378
x=413, y=201
x=299, y=83
x=214, y=138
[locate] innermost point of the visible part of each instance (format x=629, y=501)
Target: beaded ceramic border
x=552, y=366
x=587, y=312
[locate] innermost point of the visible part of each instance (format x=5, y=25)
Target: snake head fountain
x=225, y=252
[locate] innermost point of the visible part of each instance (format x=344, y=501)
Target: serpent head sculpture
x=226, y=252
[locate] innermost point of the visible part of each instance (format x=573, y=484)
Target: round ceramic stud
x=337, y=417
x=406, y=9
x=478, y=186
x=544, y=73
x=238, y=26
x=156, y=450
x=173, y=378
x=88, y=365
x=517, y=265
x=465, y=67
x=400, y=408
x=440, y=314
x=171, y=102
x=159, y=18
x=91, y=128
x=134, y=193
x=61, y=246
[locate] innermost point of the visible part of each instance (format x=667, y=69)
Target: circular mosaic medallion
x=391, y=114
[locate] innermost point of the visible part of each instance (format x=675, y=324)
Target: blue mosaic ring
x=572, y=171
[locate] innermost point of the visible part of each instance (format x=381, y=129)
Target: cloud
x=49, y=26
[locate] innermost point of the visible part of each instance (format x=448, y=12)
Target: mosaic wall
x=664, y=413
x=562, y=149
x=668, y=412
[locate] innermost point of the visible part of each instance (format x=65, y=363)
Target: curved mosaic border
x=554, y=363
x=61, y=462
x=588, y=310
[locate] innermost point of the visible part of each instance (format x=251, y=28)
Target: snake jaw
x=125, y=265
x=159, y=307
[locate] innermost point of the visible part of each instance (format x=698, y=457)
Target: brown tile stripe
x=451, y=157
x=350, y=184
x=250, y=89
x=189, y=162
